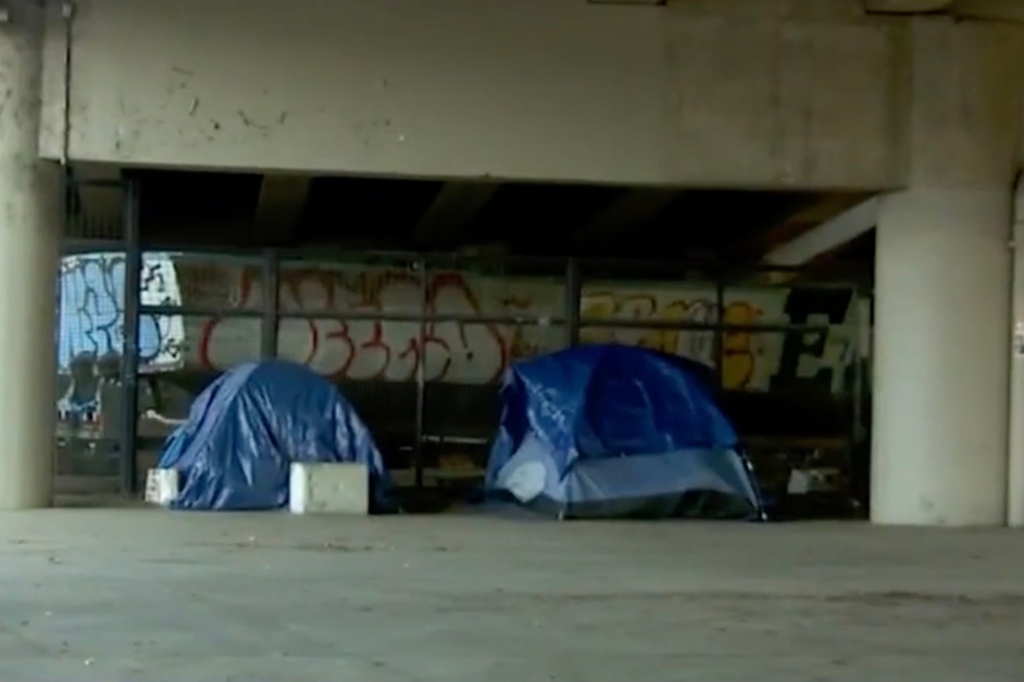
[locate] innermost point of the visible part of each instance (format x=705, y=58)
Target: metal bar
x=853, y=388
x=87, y=182
x=860, y=453
x=672, y=325
x=269, y=326
x=359, y=316
x=731, y=267
x=167, y=310
x=455, y=440
x=802, y=284
x=464, y=318
x=245, y=258
x=862, y=360
x=76, y=245
x=130, y=351
x=619, y=269
x=738, y=283
x=736, y=271
x=345, y=256
x=573, y=293
x=430, y=258
x=446, y=259
x=243, y=253
x=58, y=442
x=706, y=326
x=720, y=332
x=610, y=323
x=71, y=202
x=421, y=377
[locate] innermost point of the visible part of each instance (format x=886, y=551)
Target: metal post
x=421, y=374
x=58, y=299
x=860, y=345
x=720, y=331
x=573, y=293
x=860, y=449
x=130, y=349
x=271, y=300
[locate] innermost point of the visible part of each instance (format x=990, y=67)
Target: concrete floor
x=130, y=594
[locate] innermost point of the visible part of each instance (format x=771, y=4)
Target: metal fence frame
x=574, y=274
x=81, y=238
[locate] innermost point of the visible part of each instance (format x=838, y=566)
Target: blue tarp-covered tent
x=244, y=431
x=616, y=431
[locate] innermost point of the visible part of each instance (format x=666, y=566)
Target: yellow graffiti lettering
x=738, y=347
x=738, y=358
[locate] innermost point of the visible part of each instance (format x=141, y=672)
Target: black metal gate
x=97, y=337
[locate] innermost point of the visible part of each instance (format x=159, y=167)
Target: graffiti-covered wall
x=478, y=352
x=461, y=352
x=90, y=320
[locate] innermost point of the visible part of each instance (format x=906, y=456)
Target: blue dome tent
x=616, y=431
x=243, y=432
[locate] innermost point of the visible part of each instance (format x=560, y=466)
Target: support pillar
x=30, y=228
x=942, y=284
x=941, y=358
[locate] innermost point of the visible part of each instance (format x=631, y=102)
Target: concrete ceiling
x=180, y=209
x=1006, y=10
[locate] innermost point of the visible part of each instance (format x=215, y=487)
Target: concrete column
x=941, y=363
x=30, y=230
x=942, y=283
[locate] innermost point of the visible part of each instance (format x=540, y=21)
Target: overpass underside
x=415, y=295
x=669, y=100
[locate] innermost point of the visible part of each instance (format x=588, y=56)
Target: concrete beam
x=631, y=209
x=1002, y=10
x=907, y=6
x=999, y=10
x=453, y=209
x=828, y=236
x=444, y=89
x=281, y=202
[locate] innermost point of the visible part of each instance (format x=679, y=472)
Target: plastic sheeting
x=617, y=431
x=244, y=431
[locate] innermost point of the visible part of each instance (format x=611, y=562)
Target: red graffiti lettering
x=339, y=348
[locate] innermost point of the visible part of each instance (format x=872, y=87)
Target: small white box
x=329, y=488
x=161, y=486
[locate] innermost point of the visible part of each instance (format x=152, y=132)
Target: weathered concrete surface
x=941, y=408
x=773, y=93
x=30, y=230
x=151, y=595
